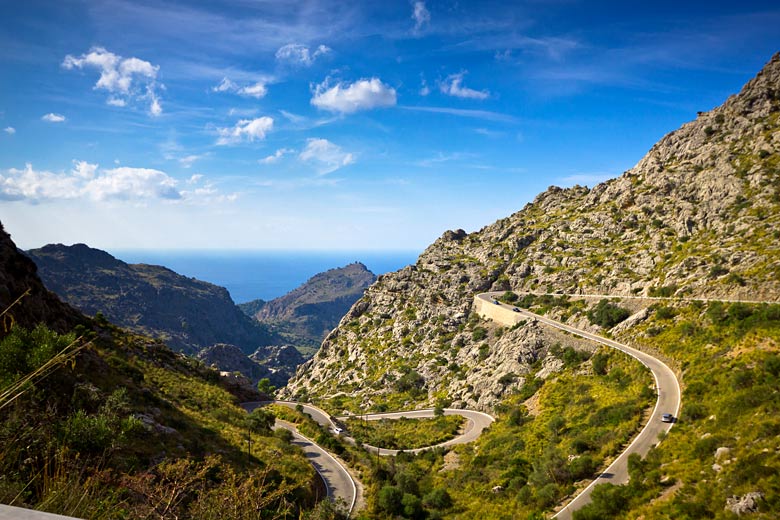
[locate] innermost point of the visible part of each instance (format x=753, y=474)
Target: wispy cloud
x=245, y=130
x=460, y=112
x=301, y=55
x=420, y=15
x=276, y=156
x=453, y=86
x=327, y=156
x=346, y=98
x=9, y=130
x=124, y=78
x=256, y=90
x=51, y=117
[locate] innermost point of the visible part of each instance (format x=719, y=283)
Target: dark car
x=496, y=302
x=667, y=417
x=515, y=309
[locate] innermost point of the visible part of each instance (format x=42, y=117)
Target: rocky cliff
x=188, y=314
x=698, y=215
x=18, y=275
x=305, y=315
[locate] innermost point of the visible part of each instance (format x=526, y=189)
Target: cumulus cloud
x=281, y=152
x=126, y=79
x=363, y=94
x=87, y=181
x=9, y=130
x=420, y=15
x=326, y=155
x=453, y=86
x=256, y=90
x=51, y=117
x=298, y=54
x=245, y=130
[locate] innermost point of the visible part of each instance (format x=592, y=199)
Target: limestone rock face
x=696, y=216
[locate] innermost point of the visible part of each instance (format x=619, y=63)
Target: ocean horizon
x=251, y=275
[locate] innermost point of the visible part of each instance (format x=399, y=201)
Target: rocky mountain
x=277, y=363
x=305, y=315
x=19, y=281
x=697, y=216
x=188, y=314
x=111, y=418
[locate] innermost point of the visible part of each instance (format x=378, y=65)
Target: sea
x=252, y=275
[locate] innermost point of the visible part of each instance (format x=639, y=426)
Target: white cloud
x=51, y=117
x=363, y=94
x=453, y=86
x=256, y=90
x=246, y=130
x=281, y=152
x=225, y=86
x=9, y=130
x=189, y=160
x=420, y=15
x=87, y=181
x=298, y=54
x=125, y=79
x=328, y=156
x=424, y=88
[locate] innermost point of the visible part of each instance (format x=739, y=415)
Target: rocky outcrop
x=305, y=315
x=18, y=275
x=230, y=358
x=279, y=361
x=186, y=313
x=696, y=216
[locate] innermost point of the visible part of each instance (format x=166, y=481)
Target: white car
x=667, y=417
x=337, y=430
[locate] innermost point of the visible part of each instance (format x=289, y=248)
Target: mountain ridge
x=188, y=313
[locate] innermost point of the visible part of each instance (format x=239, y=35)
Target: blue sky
x=339, y=125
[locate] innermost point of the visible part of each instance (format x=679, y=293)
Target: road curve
x=667, y=387
x=477, y=422
x=338, y=482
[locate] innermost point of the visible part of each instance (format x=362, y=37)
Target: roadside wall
x=499, y=314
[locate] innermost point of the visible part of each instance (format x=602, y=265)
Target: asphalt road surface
x=338, y=482
x=477, y=422
x=668, y=401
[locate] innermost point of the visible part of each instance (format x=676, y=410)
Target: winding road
x=339, y=483
x=477, y=422
x=666, y=384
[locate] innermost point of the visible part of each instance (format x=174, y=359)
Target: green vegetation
x=404, y=434
x=731, y=399
x=524, y=463
x=129, y=429
x=607, y=315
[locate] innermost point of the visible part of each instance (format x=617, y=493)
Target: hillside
x=116, y=425
x=305, y=315
x=188, y=314
x=697, y=216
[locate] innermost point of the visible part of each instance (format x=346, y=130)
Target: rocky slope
x=698, y=215
x=18, y=275
x=277, y=363
x=186, y=313
x=305, y=315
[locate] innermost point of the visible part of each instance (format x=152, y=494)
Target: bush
x=607, y=315
x=389, y=500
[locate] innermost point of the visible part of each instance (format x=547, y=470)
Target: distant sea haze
x=250, y=275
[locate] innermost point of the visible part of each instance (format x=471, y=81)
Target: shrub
x=607, y=315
